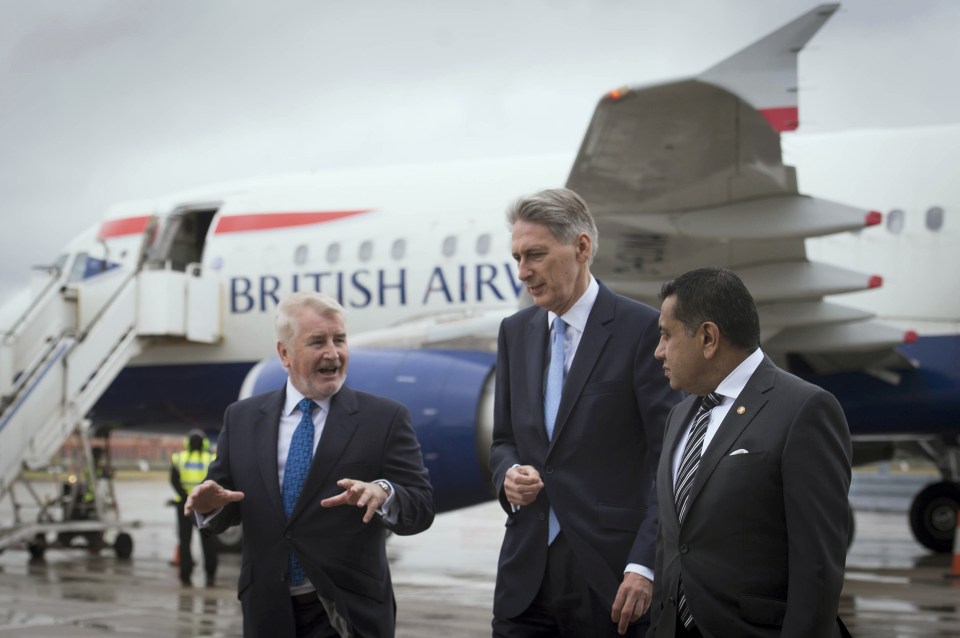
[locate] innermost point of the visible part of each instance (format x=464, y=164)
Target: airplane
x=161, y=315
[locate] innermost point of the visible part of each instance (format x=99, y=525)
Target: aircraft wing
x=690, y=173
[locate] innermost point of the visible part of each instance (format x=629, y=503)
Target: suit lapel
x=751, y=400
x=595, y=337
x=338, y=429
x=536, y=358
x=266, y=431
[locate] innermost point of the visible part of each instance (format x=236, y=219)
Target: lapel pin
x=741, y=410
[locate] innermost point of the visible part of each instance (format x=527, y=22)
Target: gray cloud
x=109, y=100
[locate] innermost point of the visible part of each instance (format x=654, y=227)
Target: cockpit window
x=84, y=266
x=61, y=262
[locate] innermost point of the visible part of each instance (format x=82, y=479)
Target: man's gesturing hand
x=209, y=496
x=369, y=495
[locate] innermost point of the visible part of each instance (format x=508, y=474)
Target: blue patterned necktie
x=551, y=399
x=295, y=471
x=689, y=462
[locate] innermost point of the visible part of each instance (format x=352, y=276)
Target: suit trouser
x=683, y=632
x=565, y=605
x=311, y=618
x=207, y=542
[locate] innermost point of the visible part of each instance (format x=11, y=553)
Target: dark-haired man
x=752, y=481
x=188, y=468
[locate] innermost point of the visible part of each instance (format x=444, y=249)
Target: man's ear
x=710, y=336
x=282, y=351
x=584, y=247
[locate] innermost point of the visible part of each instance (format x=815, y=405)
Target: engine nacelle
x=450, y=397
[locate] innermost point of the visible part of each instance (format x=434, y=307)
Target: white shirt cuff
x=639, y=569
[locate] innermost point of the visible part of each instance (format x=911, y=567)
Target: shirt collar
x=578, y=314
x=294, y=397
x=733, y=385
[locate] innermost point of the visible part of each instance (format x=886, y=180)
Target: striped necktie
x=689, y=462
x=299, y=457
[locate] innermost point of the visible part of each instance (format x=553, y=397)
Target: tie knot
x=559, y=326
x=710, y=401
x=306, y=407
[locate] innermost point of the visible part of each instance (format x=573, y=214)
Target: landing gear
x=123, y=546
x=37, y=547
x=230, y=540
x=933, y=515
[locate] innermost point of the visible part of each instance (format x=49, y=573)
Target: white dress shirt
x=729, y=389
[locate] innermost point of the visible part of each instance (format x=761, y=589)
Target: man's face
x=317, y=356
x=681, y=354
x=555, y=274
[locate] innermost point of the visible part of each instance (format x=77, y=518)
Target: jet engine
x=450, y=397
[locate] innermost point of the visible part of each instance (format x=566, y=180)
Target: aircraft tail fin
x=764, y=74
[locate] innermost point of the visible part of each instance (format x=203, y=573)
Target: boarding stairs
x=63, y=352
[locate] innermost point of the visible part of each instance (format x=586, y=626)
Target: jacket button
x=540, y=516
x=549, y=469
x=684, y=549
x=670, y=599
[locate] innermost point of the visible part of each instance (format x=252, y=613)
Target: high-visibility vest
x=193, y=466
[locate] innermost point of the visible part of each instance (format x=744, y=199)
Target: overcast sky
x=107, y=100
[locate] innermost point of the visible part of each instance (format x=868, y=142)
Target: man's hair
x=719, y=296
x=561, y=210
x=323, y=304
x=196, y=438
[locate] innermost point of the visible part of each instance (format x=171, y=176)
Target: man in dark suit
x=313, y=565
x=578, y=421
x=753, y=492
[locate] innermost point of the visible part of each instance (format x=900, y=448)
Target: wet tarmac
x=443, y=578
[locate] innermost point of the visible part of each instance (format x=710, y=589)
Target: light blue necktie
x=295, y=472
x=551, y=399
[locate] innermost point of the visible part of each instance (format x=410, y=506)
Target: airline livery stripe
x=266, y=221
x=125, y=226
x=782, y=119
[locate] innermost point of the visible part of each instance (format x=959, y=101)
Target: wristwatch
x=385, y=487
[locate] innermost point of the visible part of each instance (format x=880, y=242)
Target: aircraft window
x=449, y=246
x=366, y=250
x=300, y=254
x=895, y=221
x=61, y=262
x=333, y=253
x=483, y=244
x=935, y=218
x=399, y=249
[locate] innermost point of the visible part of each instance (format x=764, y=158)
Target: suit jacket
x=598, y=470
x=763, y=544
x=365, y=437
